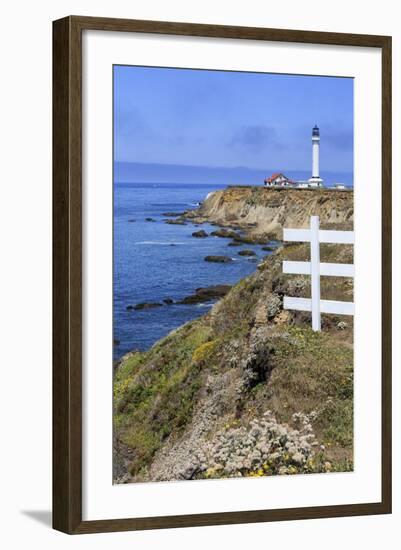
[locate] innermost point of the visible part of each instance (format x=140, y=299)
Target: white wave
x=167, y=243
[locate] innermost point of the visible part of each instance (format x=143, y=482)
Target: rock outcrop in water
x=218, y=259
x=247, y=252
x=144, y=305
x=225, y=233
x=177, y=221
x=201, y=234
x=206, y=294
x=265, y=211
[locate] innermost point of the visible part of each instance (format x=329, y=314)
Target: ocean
x=154, y=261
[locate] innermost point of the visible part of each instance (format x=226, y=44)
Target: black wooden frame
x=67, y=274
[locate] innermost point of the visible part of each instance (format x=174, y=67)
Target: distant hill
x=137, y=172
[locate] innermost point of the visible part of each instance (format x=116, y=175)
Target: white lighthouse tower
x=315, y=180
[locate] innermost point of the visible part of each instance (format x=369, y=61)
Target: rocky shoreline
x=237, y=237
x=256, y=216
x=261, y=213
x=201, y=295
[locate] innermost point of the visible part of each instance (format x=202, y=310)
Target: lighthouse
x=315, y=180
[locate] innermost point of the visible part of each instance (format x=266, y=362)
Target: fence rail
x=305, y=268
x=325, y=235
x=315, y=270
x=326, y=306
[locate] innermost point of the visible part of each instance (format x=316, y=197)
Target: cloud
x=254, y=138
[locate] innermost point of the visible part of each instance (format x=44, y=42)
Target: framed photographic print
x=222, y=274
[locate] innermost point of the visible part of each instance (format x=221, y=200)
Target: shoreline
x=226, y=209
x=241, y=240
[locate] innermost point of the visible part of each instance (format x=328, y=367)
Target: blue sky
x=231, y=119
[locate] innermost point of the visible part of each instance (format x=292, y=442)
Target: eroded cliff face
x=265, y=211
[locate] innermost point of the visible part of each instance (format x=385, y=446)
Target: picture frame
x=68, y=295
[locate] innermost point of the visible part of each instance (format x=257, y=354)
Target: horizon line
x=220, y=167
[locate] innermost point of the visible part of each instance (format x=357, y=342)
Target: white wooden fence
x=315, y=269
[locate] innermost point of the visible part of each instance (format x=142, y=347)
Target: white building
x=303, y=184
x=315, y=180
x=279, y=180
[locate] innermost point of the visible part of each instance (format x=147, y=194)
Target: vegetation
x=154, y=391
x=312, y=372
x=246, y=371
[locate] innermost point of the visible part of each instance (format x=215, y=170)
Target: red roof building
x=278, y=179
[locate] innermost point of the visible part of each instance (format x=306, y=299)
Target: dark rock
x=146, y=305
x=116, y=342
x=206, y=294
x=200, y=234
x=132, y=220
x=250, y=240
x=247, y=252
x=268, y=248
x=173, y=214
x=235, y=243
x=225, y=233
x=175, y=222
x=168, y=301
x=257, y=365
x=218, y=259
x=150, y=220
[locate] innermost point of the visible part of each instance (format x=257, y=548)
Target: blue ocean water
x=154, y=261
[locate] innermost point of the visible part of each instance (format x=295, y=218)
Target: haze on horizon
x=232, y=125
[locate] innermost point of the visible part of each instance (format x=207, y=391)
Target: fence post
x=315, y=272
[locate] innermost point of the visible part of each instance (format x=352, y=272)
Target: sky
x=257, y=122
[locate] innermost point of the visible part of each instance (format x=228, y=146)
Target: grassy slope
x=245, y=342
x=154, y=392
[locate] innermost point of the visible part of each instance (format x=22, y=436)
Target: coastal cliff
x=246, y=390
x=265, y=211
